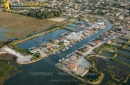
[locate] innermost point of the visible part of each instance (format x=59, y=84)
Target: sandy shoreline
x=21, y=59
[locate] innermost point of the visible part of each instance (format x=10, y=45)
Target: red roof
x=88, y=48
x=97, y=41
x=109, y=32
x=48, y=43
x=73, y=66
x=117, y=33
x=90, y=29
x=50, y=48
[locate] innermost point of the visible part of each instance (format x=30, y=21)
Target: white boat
x=60, y=60
x=63, y=49
x=71, y=45
x=66, y=47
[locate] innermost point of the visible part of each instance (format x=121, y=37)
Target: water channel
x=47, y=65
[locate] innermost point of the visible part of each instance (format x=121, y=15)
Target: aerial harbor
x=65, y=42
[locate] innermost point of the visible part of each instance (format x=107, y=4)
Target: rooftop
x=73, y=66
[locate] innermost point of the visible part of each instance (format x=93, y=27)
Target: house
x=100, y=23
x=88, y=48
x=49, y=48
x=48, y=43
x=43, y=54
x=92, y=44
x=34, y=50
x=115, y=37
x=121, y=17
x=117, y=33
x=90, y=30
x=109, y=33
x=129, y=27
x=97, y=41
x=78, y=56
x=124, y=31
x=79, y=53
x=1, y=5
x=117, y=14
x=66, y=42
x=73, y=67
x=42, y=10
x=120, y=41
x=128, y=21
x=108, y=41
x=75, y=15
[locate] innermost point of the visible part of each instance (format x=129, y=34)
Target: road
x=98, y=45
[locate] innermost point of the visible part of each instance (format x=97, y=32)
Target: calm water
x=48, y=65
x=91, y=75
x=128, y=83
x=1, y=33
x=72, y=28
x=128, y=47
x=123, y=52
x=122, y=67
x=108, y=77
x=107, y=54
x=6, y=31
x=79, y=22
x=123, y=59
x=36, y=41
x=74, y=25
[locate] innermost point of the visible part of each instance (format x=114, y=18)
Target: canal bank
x=48, y=65
x=43, y=38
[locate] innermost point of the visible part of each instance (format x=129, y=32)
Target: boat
x=71, y=45
x=59, y=60
x=63, y=49
x=66, y=47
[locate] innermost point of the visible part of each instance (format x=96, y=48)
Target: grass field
x=20, y=26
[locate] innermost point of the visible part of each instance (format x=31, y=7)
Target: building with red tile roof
x=73, y=67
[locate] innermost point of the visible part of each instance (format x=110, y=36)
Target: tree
x=51, y=15
x=1, y=1
x=46, y=15
x=58, y=14
x=53, y=42
x=82, y=50
x=37, y=55
x=40, y=15
x=32, y=14
x=79, y=18
x=115, y=51
x=61, y=43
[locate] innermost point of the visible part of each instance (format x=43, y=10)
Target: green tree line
x=44, y=15
x=1, y=1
